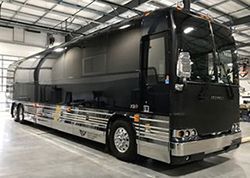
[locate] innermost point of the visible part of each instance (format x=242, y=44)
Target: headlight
x=187, y=133
x=184, y=134
x=235, y=127
x=180, y=133
x=193, y=132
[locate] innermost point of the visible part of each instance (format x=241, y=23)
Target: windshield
x=210, y=62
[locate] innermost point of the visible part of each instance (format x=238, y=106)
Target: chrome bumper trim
x=203, y=146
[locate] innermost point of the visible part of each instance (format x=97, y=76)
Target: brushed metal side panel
x=44, y=121
x=155, y=151
x=65, y=127
x=88, y=133
x=153, y=137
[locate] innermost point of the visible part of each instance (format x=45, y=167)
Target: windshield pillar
x=215, y=59
x=174, y=51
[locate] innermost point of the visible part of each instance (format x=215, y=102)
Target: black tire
x=20, y=113
x=12, y=110
x=15, y=113
x=131, y=152
x=248, y=114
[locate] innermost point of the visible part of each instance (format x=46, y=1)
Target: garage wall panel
x=33, y=38
x=6, y=34
x=18, y=34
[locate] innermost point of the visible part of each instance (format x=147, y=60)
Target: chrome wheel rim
x=121, y=140
x=15, y=112
x=21, y=114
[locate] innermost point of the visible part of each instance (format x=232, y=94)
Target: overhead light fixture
x=124, y=26
x=58, y=50
x=188, y=30
x=38, y=57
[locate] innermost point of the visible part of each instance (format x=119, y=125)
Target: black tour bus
x=163, y=85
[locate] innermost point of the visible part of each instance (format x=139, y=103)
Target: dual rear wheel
x=17, y=112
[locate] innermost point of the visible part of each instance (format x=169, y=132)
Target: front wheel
x=122, y=140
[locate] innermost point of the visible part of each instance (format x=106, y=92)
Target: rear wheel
x=20, y=113
x=13, y=110
x=122, y=140
x=15, y=113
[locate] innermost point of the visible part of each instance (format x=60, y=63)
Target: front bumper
x=206, y=146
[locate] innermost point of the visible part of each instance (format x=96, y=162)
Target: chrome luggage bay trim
x=152, y=132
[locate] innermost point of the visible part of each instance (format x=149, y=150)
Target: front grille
x=214, y=134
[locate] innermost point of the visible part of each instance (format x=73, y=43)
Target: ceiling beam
x=18, y=10
x=130, y=5
x=243, y=50
x=78, y=6
x=241, y=45
x=32, y=15
x=213, y=9
x=63, y=3
x=73, y=16
x=239, y=21
x=35, y=7
x=35, y=26
x=125, y=7
x=47, y=11
x=242, y=4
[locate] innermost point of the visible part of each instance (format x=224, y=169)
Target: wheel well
x=19, y=104
x=114, y=118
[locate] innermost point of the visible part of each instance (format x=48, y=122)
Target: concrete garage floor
x=28, y=151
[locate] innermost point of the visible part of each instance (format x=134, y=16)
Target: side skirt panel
x=152, y=132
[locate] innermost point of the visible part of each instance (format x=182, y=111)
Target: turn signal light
x=235, y=127
x=180, y=134
x=69, y=109
x=136, y=118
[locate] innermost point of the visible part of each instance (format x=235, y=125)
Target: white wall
x=244, y=86
x=20, y=42
x=18, y=49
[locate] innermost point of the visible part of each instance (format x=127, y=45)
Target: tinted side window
x=157, y=58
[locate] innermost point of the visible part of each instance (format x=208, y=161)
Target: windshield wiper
x=230, y=93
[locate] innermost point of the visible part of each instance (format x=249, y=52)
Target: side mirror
x=184, y=63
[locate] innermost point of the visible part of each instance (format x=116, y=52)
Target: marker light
x=193, y=132
x=136, y=118
x=124, y=26
x=58, y=50
x=187, y=133
x=188, y=30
